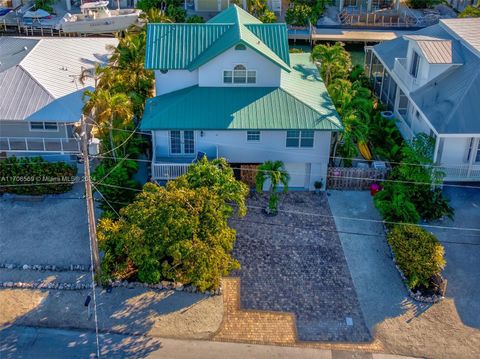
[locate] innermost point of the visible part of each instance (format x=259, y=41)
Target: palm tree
x=273, y=171
x=335, y=61
x=155, y=15
x=107, y=107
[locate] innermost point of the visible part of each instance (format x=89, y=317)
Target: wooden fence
x=354, y=178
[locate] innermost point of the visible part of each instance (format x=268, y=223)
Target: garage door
x=298, y=174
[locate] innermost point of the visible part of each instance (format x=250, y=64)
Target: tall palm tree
x=273, y=171
x=107, y=107
x=335, y=61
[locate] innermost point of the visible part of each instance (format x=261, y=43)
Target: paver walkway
x=294, y=263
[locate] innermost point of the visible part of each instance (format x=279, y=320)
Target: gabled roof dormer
x=189, y=46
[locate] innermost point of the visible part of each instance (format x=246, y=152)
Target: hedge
x=35, y=176
x=417, y=252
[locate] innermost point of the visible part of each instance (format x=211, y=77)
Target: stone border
x=164, y=285
x=47, y=267
x=417, y=295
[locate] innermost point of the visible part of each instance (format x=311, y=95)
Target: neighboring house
x=363, y=6
x=229, y=88
x=210, y=6
x=460, y=5
x=41, y=93
x=431, y=81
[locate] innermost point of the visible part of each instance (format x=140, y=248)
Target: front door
x=182, y=143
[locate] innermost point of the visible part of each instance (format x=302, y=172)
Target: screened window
x=239, y=75
x=44, y=126
x=175, y=142
x=253, y=136
x=297, y=138
x=415, y=64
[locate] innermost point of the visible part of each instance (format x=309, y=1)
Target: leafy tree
x=273, y=172
x=173, y=232
x=154, y=15
x=394, y=204
x=217, y=176
x=268, y=17
x=470, y=11
x=176, y=13
x=44, y=5
x=335, y=62
x=418, y=253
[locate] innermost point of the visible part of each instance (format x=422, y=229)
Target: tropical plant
x=45, y=5
x=171, y=232
x=418, y=253
x=335, y=62
x=394, y=204
x=470, y=11
x=154, y=15
x=268, y=17
x=176, y=13
x=273, y=172
x=423, y=4
x=109, y=110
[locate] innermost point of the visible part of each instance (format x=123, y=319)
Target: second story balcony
x=400, y=69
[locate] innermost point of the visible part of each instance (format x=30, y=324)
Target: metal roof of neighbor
x=301, y=102
x=434, y=49
x=450, y=101
x=466, y=29
x=46, y=74
x=189, y=46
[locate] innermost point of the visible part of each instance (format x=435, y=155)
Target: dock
x=314, y=34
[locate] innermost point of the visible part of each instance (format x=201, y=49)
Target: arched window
x=239, y=75
x=240, y=47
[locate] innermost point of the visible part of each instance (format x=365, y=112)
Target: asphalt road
x=44, y=343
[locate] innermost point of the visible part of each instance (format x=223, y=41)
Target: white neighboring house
x=212, y=6
x=229, y=88
x=431, y=81
x=41, y=95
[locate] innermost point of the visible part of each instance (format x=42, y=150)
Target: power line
x=337, y=217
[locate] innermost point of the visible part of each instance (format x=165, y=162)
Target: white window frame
x=43, y=129
x=182, y=144
x=257, y=133
x=301, y=136
x=247, y=72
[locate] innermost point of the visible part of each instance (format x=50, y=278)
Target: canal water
x=356, y=51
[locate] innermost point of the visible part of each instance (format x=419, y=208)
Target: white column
x=68, y=3
x=397, y=4
x=369, y=6
x=341, y=3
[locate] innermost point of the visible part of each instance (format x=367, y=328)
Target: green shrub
x=195, y=19
x=470, y=11
x=417, y=252
x=394, y=204
x=298, y=15
x=35, y=176
x=268, y=17
x=423, y=4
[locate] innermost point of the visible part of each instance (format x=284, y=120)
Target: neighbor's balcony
x=400, y=69
x=166, y=168
x=36, y=144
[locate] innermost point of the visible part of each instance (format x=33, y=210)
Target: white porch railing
x=461, y=172
x=36, y=144
x=400, y=68
x=168, y=171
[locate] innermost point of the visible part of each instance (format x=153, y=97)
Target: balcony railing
x=36, y=144
x=400, y=69
x=461, y=172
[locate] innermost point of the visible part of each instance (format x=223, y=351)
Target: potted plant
x=318, y=185
x=274, y=172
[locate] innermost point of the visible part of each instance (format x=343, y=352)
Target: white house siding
x=305, y=165
x=211, y=74
x=454, y=151
x=174, y=80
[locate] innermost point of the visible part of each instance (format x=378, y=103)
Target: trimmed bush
x=35, y=176
x=418, y=253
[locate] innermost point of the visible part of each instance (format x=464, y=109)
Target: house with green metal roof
x=230, y=88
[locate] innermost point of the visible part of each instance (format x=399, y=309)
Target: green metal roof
x=189, y=46
x=301, y=102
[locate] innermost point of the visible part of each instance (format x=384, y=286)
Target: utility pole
x=92, y=229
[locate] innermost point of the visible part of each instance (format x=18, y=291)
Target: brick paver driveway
x=294, y=262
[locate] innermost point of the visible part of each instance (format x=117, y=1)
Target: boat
x=96, y=18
